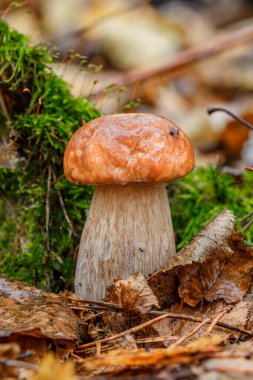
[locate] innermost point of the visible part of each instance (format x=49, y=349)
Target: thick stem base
x=128, y=230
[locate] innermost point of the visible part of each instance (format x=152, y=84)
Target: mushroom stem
x=128, y=230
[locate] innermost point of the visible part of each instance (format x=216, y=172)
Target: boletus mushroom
x=128, y=229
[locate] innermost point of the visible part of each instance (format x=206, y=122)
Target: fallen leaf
x=37, y=320
x=133, y=294
x=214, y=265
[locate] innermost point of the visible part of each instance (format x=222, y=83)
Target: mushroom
x=128, y=228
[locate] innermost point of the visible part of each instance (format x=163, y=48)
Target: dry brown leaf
x=133, y=294
x=158, y=357
x=37, y=320
x=214, y=265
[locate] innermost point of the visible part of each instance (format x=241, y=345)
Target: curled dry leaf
x=37, y=320
x=214, y=265
x=133, y=294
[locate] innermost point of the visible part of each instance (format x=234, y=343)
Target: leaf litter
x=192, y=316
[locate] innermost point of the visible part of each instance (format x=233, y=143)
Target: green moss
x=201, y=195
x=40, y=133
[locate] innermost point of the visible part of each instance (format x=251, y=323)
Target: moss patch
x=42, y=116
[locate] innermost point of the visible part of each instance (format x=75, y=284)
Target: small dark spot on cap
x=142, y=250
x=173, y=131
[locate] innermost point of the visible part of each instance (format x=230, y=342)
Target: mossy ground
x=42, y=115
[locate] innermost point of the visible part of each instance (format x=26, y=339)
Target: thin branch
x=170, y=315
x=249, y=215
x=49, y=181
x=247, y=225
x=120, y=335
x=196, y=319
x=156, y=339
x=237, y=118
x=58, y=179
x=64, y=208
x=216, y=319
x=100, y=303
x=191, y=333
x=172, y=66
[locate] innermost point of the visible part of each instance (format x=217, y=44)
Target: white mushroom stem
x=128, y=230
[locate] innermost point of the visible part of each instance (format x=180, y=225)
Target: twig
x=247, y=225
x=246, y=217
x=64, y=208
x=191, y=333
x=4, y=107
x=100, y=303
x=216, y=319
x=58, y=179
x=18, y=363
x=169, y=315
x=211, y=110
x=90, y=308
x=49, y=179
x=129, y=331
x=171, y=66
x=196, y=319
x=156, y=339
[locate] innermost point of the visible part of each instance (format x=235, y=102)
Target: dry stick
x=156, y=339
x=247, y=225
x=246, y=217
x=189, y=56
x=216, y=319
x=49, y=180
x=191, y=333
x=130, y=331
x=211, y=110
x=64, y=208
x=170, y=315
x=196, y=319
x=100, y=303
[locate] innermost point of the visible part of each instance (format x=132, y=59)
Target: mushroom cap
x=123, y=148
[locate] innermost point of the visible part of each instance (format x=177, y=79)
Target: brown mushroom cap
x=118, y=149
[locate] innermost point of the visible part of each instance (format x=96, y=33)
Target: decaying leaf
x=214, y=265
x=133, y=294
x=37, y=320
x=157, y=358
